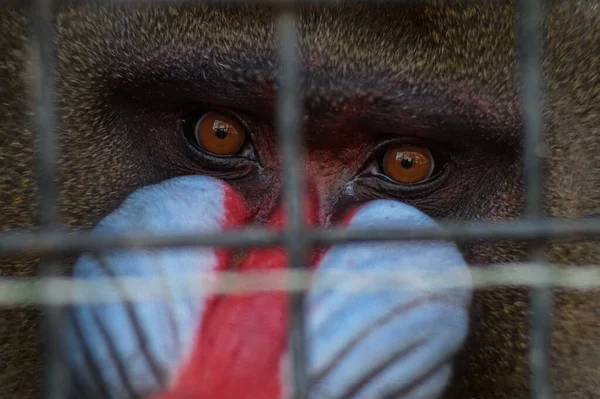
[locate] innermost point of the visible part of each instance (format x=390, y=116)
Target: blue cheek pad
x=392, y=343
x=99, y=337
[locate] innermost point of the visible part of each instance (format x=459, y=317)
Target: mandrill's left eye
x=408, y=164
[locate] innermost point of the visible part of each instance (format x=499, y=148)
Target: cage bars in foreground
x=42, y=87
x=289, y=121
x=540, y=302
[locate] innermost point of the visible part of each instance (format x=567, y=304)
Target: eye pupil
x=221, y=132
x=406, y=163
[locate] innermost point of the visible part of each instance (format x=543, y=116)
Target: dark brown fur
x=105, y=55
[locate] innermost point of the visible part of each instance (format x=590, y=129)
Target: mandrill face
x=411, y=117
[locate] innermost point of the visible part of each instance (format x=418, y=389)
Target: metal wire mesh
x=45, y=122
x=49, y=242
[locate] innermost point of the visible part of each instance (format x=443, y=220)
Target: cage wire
x=54, y=292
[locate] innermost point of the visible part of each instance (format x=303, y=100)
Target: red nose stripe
x=236, y=211
x=243, y=337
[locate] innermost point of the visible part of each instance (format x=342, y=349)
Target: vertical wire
x=42, y=88
x=531, y=102
x=289, y=119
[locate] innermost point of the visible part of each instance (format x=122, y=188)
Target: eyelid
x=386, y=140
x=389, y=188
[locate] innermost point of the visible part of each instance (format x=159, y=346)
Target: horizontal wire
x=68, y=291
x=59, y=243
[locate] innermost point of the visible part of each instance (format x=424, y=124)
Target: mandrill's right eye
x=219, y=134
x=218, y=143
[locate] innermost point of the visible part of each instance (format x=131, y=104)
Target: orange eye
x=220, y=134
x=408, y=164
